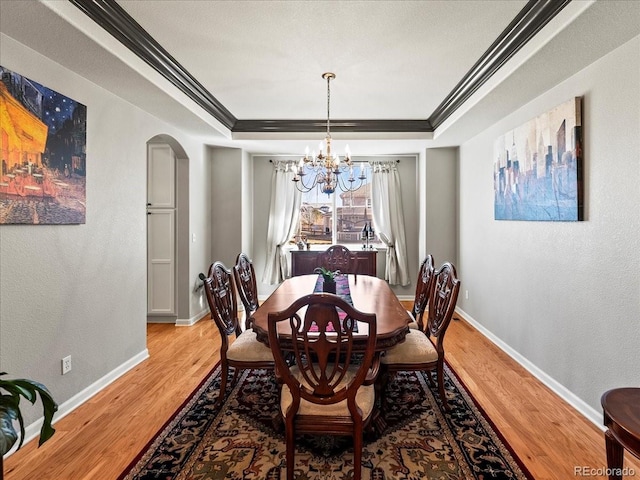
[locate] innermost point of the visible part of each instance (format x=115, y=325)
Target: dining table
x=366, y=293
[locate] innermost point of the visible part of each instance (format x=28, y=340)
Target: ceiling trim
x=529, y=21
x=304, y=126
x=115, y=20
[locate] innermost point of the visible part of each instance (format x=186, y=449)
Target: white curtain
x=388, y=220
x=283, y=222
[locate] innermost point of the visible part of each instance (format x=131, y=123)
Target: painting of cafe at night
x=43, y=149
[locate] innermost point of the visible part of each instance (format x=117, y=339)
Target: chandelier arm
x=346, y=186
x=303, y=187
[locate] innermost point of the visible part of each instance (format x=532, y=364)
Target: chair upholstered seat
x=414, y=323
x=416, y=348
x=247, y=348
x=365, y=399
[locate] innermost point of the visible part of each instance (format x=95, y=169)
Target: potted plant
x=10, y=393
x=328, y=278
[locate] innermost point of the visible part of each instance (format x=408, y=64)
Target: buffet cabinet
x=304, y=262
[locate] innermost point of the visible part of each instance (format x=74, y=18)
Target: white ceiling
x=263, y=60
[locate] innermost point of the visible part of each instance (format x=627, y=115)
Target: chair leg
x=443, y=396
x=430, y=378
x=291, y=450
x=357, y=452
x=380, y=386
x=236, y=374
x=223, y=381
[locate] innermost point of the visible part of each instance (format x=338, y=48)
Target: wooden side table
x=621, y=408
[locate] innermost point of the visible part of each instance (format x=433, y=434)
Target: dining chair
x=421, y=299
x=423, y=350
x=245, y=351
x=245, y=278
x=326, y=389
x=338, y=257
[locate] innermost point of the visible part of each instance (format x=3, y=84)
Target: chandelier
x=325, y=170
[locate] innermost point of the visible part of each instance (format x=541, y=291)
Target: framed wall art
x=43, y=140
x=537, y=171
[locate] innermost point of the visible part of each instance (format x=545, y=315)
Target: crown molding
x=529, y=21
x=304, y=126
x=115, y=20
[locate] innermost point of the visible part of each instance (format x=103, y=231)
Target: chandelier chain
x=328, y=104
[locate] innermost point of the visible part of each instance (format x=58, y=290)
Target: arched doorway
x=167, y=230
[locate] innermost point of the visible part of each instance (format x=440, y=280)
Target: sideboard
x=304, y=262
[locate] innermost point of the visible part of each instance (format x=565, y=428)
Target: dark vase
x=329, y=286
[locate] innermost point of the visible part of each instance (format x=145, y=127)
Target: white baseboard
x=33, y=430
x=563, y=392
x=187, y=322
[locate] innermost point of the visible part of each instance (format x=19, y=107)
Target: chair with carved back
x=245, y=278
x=326, y=390
x=423, y=350
x=421, y=299
x=245, y=351
x=338, y=257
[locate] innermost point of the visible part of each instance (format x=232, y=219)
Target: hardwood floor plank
x=100, y=438
x=549, y=435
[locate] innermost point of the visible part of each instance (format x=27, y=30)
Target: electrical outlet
x=66, y=365
x=466, y=294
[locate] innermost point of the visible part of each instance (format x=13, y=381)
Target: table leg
x=615, y=456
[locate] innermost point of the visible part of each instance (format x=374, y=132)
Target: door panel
x=161, y=177
x=161, y=261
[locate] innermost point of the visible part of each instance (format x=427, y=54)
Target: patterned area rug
x=244, y=439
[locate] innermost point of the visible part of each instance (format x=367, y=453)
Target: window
x=318, y=225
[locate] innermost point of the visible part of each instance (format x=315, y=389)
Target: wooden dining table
x=368, y=294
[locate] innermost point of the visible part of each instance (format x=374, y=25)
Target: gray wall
x=199, y=225
x=441, y=185
x=80, y=290
x=227, y=204
x=565, y=296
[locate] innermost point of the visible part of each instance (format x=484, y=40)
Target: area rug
x=244, y=438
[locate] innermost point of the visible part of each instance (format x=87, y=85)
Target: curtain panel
x=388, y=219
x=284, y=213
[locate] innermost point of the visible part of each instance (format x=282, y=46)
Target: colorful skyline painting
x=537, y=171
x=43, y=154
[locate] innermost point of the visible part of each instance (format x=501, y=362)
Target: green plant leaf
x=327, y=274
x=10, y=410
x=48, y=404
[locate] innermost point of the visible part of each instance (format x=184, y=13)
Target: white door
x=161, y=262
x=161, y=231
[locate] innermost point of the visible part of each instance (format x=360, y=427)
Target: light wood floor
x=99, y=439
